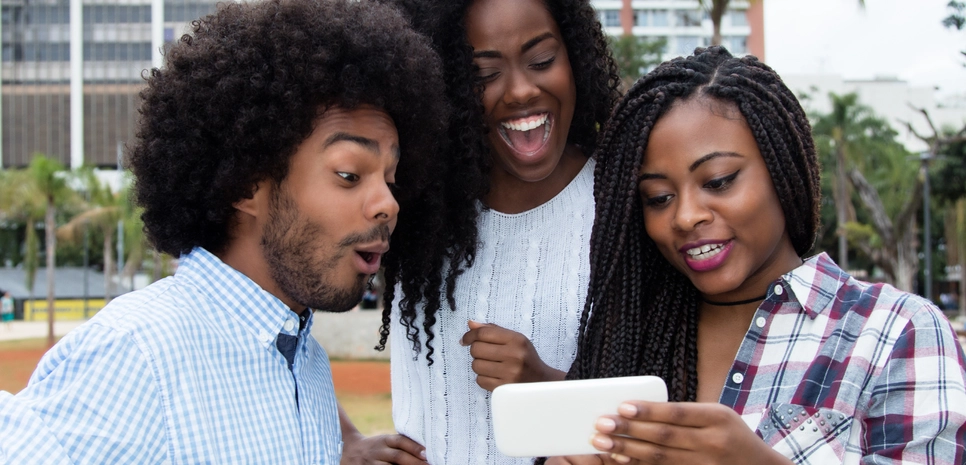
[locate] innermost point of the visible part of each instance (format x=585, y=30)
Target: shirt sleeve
x=916, y=413
x=93, y=399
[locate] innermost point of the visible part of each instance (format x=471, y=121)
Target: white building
x=71, y=71
x=685, y=24
x=894, y=100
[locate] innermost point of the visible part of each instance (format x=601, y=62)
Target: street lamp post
x=925, y=157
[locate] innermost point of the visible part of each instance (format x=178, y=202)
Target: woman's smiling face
x=529, y=90
x=709, y=202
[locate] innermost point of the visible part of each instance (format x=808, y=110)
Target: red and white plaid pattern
x=836, y=370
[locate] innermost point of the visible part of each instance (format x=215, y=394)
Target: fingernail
x=620, y=458
x=602, y=442
x=422, y=454
x=606, y=425
x=627, y=409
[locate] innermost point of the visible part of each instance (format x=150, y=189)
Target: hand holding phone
x=558, y=417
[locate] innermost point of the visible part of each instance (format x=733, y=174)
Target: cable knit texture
x=530, y=275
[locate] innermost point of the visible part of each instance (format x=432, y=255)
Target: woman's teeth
x=705, y=251
x=524, y=135
x=526, y=124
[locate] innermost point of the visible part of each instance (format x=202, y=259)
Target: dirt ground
x=18, y=360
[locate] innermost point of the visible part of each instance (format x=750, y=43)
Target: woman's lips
x=708, y=256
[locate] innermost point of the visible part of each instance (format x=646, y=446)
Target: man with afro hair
x=267, y=158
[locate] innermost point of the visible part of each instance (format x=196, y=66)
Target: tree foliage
x=859, y=147
x=635, y=56
x=957, y=18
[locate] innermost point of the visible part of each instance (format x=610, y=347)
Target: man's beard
x=292, y=247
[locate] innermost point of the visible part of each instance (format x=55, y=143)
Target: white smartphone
x=557, y=417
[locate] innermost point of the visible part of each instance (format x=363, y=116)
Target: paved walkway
x=17, y=330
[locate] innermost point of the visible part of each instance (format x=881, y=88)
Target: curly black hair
x=597, y=82
x=645, y=312
x=239, y=94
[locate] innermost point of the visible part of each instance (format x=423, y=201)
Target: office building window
x=650, y=18
x=686, y=44
x=115, y=14
x=737, y=45
x=187, y=12
x=689, y=18
x=738, y=18
x=610, y=18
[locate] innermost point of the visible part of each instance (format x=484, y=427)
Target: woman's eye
x=544, y=64
x=487, y=77
x=351, y=177
x=657, y=201
x=722, y=182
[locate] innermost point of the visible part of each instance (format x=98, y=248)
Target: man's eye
x=351, y=177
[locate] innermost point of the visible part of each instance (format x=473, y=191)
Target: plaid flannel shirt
x=835, y=370
x=184, y=371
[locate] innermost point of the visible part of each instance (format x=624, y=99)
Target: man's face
x=330, y=218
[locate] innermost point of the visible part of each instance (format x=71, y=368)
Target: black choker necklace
x=731, y=304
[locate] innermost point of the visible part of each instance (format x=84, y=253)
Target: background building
x=81, y=110
x=685, y=24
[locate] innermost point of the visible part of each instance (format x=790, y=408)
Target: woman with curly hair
x=531, y=82
x=708, y=198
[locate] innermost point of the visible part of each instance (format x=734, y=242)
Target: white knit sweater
x=530, y=275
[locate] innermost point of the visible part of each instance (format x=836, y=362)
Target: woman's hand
x=501, y=356
x=579, y=460
x=681, y=433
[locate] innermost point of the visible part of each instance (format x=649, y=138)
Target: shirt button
x=264, y=337
x=737, y=378
x=779, y=290
x=289, y=324
x=760, y=322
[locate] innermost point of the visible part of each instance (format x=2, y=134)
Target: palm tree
x=22, y=203
x=102, y=211
x=108, y=211
x=45, y=173
x=865, y=158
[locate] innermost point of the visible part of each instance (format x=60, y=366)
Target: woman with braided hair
x=531, y=82
x=707, y=191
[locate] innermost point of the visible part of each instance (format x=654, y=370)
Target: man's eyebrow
x=365, y=142
x=523, y=48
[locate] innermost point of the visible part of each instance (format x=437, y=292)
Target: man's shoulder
x=157, y=304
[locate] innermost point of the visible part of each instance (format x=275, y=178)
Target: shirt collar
x=237, y=295
x=815, y=284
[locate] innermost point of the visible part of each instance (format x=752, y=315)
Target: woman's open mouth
x=528, y=135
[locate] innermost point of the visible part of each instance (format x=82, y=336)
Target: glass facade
x=115, y=42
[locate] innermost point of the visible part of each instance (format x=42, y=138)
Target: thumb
x=475, y=324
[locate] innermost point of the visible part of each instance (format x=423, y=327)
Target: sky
x=895, y=38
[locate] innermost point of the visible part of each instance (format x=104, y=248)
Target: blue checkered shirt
x=184, y=371
x=838, y=371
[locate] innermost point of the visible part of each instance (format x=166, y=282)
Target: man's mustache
x=378, y=233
